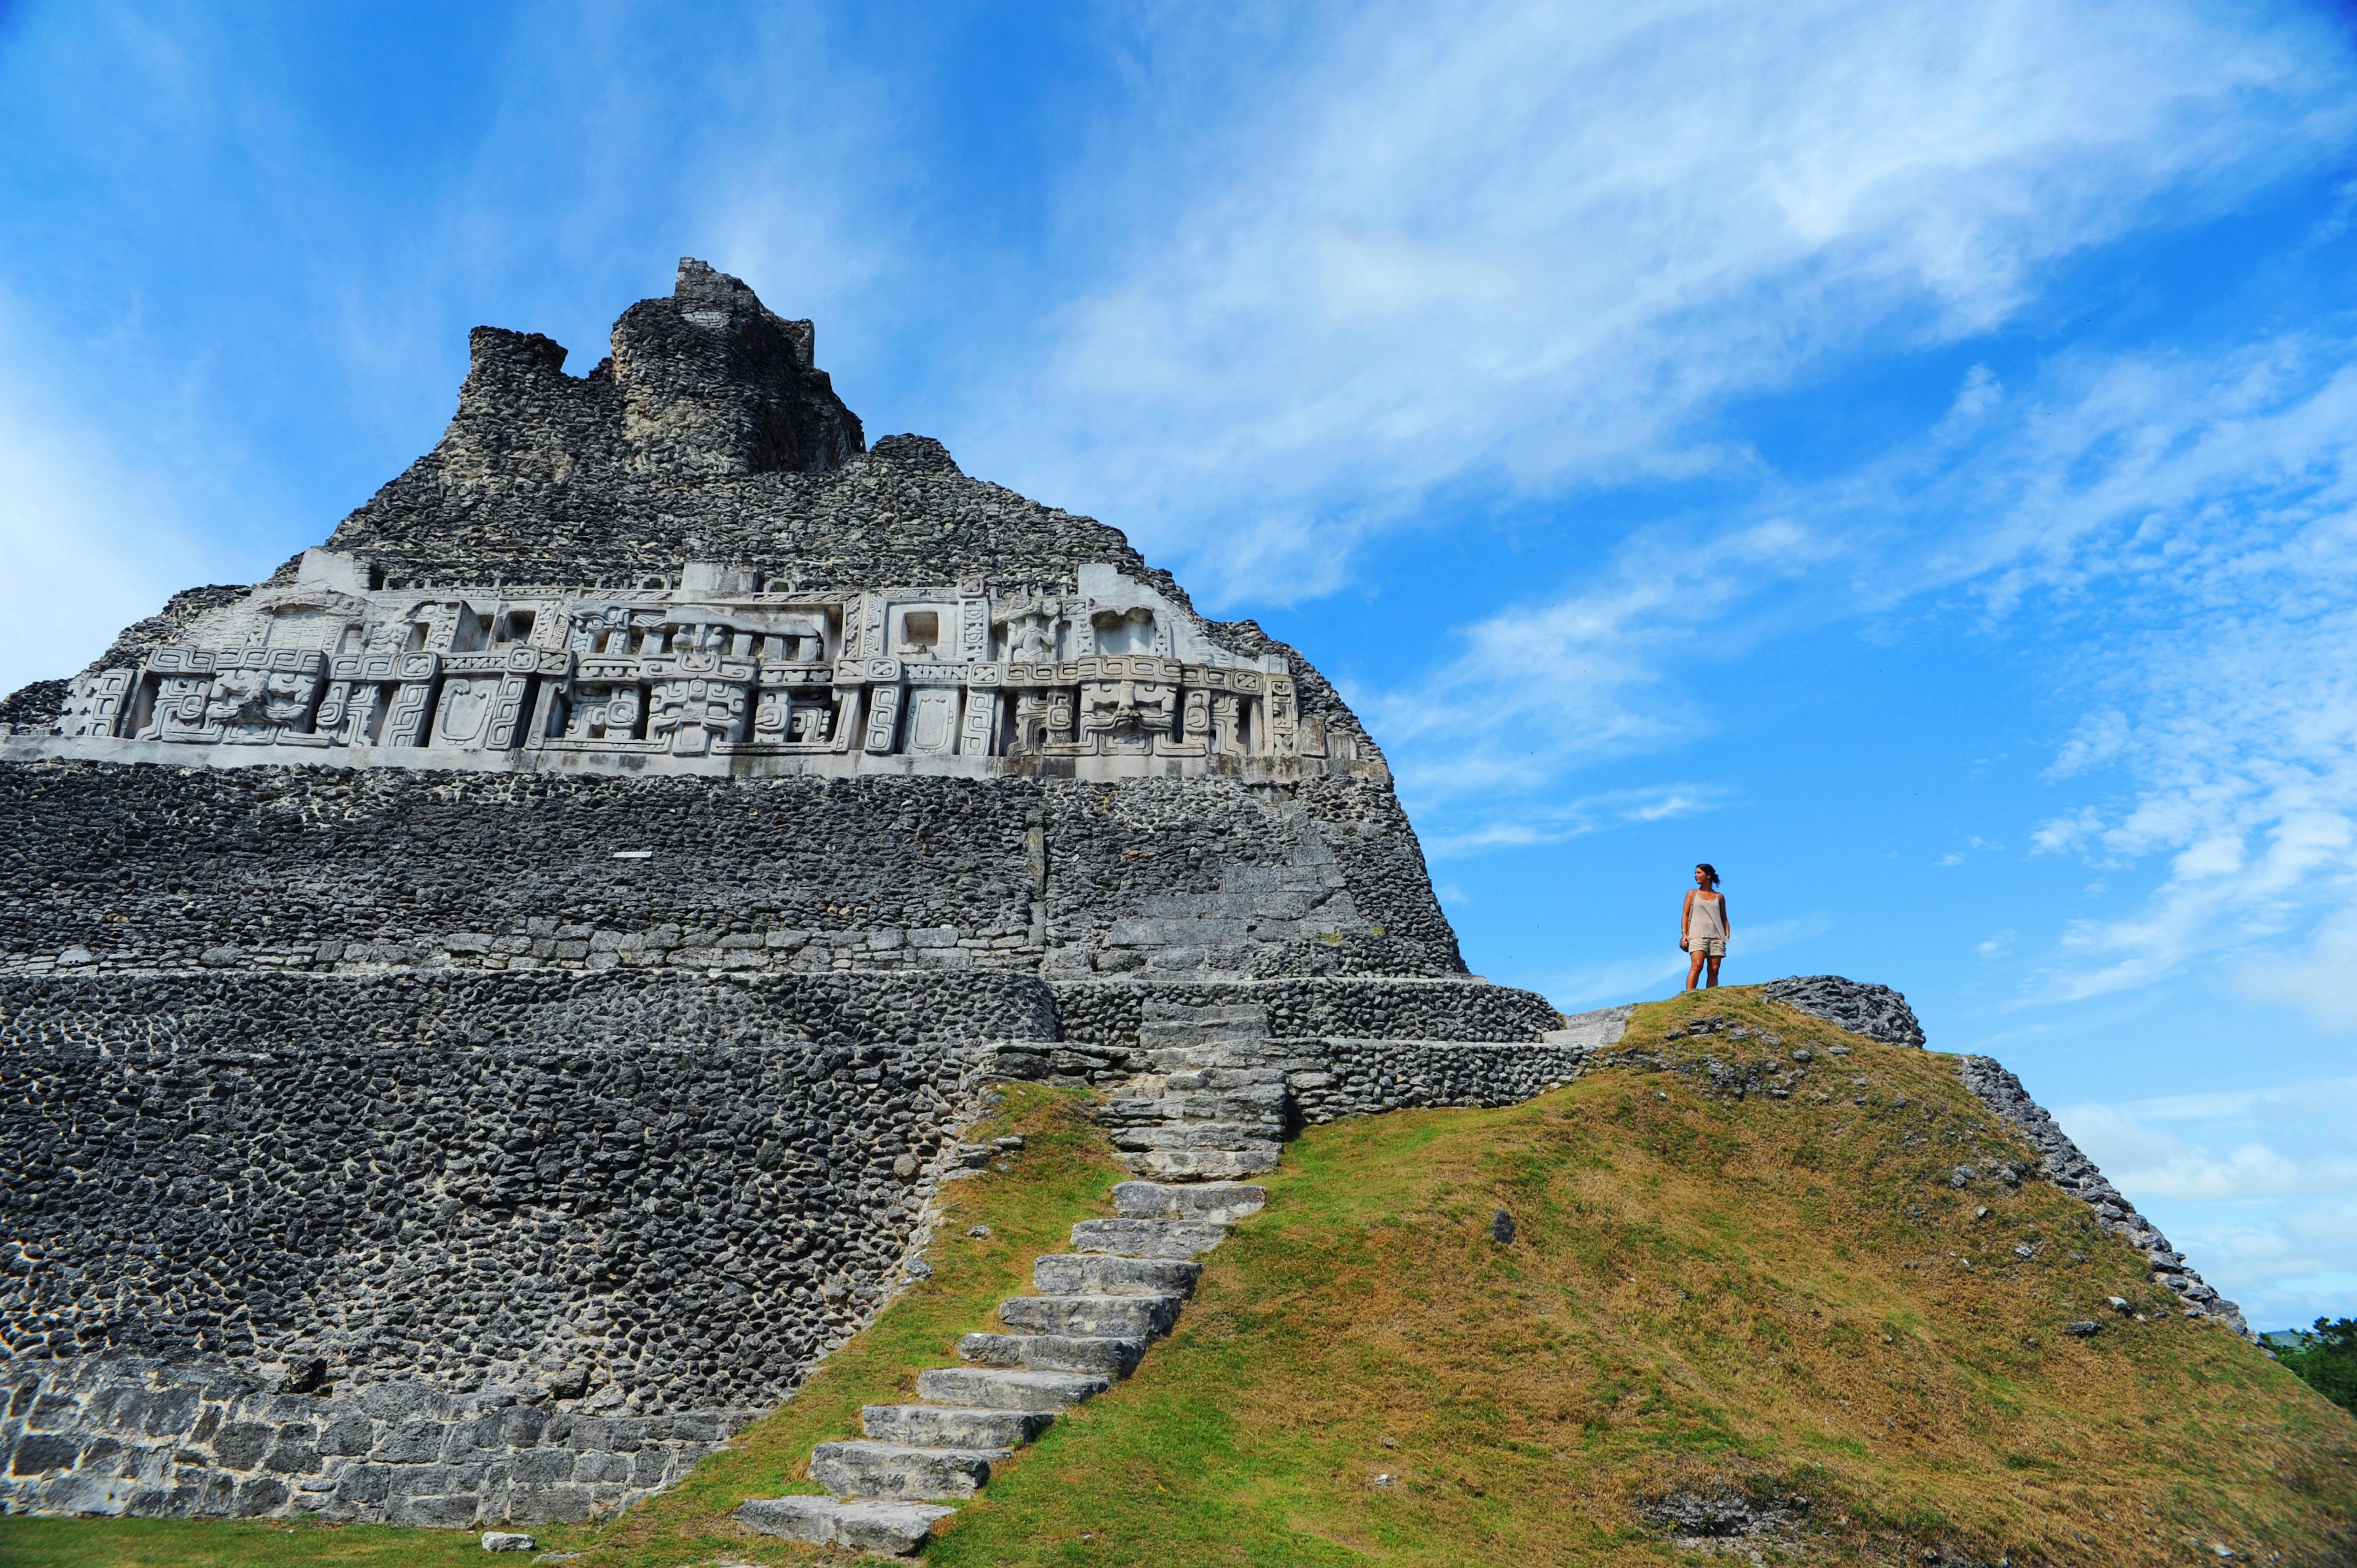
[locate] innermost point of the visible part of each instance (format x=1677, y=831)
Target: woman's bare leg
x=1714, y=970
x=1694, y=972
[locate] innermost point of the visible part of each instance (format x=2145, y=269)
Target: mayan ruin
x=485, y=1011
x=596, y=886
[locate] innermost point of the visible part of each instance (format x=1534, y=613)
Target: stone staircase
x=1211, y=1108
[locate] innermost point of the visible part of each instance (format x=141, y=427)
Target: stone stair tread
x=1163, y=1035
x=1161, y=1010
x=899, y=1528
x=992, y=1388
x=954, y=1426
x=1092, y=1316
x=1196, y=1135
x=1195, y=1105
x=1108, y=1355
x=901, y=1472
x=1181, y=1238
x=880, y=1448
x=1202, y=1164
x=1206, y=1066
x=1101, y=1273
x=1218, y=1201
x=1262, y=1082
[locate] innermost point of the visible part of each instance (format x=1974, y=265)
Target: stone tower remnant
x=483, y=1011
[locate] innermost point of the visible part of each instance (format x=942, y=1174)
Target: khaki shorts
x=1706, y=946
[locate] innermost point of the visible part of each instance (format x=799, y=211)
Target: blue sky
x=1903, y=455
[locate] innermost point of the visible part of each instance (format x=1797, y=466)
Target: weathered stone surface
x=1180, y=1239
x=1602, y=1027
x=992, y=1389
x=952, y=1426
x=1099, y=1274
x=1219, y=1202
x=899, y=1528
x=864, y=1468
x=1875, y=1011
x=1113, y=1356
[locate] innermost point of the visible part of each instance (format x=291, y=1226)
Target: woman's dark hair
x=1708, y=869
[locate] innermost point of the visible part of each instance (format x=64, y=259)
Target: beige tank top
x=1704, y=920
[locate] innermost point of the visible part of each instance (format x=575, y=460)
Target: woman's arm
x=1725, y=923
x=1685, y=915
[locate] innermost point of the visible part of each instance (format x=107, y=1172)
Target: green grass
x=1766, y=1295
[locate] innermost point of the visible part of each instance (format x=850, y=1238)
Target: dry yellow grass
x=1783, y=1296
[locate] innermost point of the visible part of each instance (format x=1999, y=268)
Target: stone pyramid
x=483, y=1011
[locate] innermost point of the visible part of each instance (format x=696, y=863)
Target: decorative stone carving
x=95, y=706
x=932, y=721
x=963, y=678
x=883, y=717
x=1119, y=716
x=698, y=698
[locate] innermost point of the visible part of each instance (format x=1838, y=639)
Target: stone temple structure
x=484, y=1010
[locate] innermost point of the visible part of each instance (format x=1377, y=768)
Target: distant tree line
x=2326, y=1360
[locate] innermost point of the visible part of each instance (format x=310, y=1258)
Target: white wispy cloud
x=1557, y=822
x=87, y=547
x=2259, y=1185
x=1535, y=690
x=2183, y=527
x=1521, y=245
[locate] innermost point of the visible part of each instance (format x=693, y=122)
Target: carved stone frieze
x=701, y=668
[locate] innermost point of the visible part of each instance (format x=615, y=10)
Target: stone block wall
x=1335, y=1077
x=457, y=1246
x=107, y=869
x=1103, y=1016
x=198, y=1436
x=479, y=1180
x=635, y=1207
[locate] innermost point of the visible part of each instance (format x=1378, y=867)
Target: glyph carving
x=1125, y=715
x=95, y=706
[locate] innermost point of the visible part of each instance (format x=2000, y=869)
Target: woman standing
x=1702, y=930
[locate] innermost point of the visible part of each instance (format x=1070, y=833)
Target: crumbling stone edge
x=2061, y=1162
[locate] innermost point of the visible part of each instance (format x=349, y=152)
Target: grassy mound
x=1722, y=1310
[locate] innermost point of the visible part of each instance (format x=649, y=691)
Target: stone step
x=1221, y=1202
x=1181, y=1238
x=899, y=1529
x=989, y=1388
x=1095, y=1273
x=1134, y=1111
x=863, y=1468
x=1151, y=1315
x=952, y=1426
x=1266, y=1080
x=1198, y=1135
x=1263, y=1087
x=1109, y=1355
x=1217, y=1067
x=1208, y=1103
x=1202, y=1164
